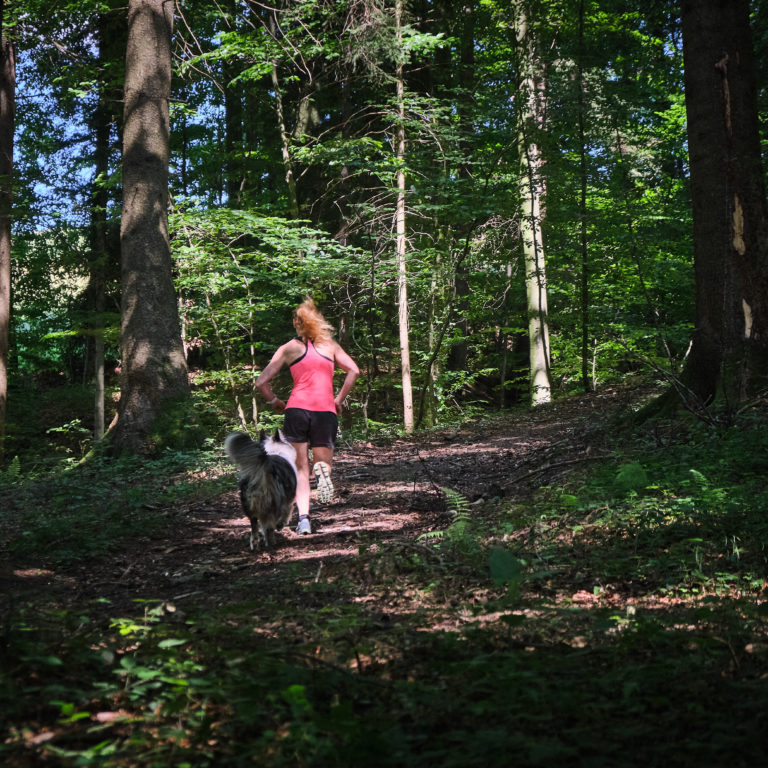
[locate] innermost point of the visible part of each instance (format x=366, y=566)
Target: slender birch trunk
x=586, y=382
x=531, y=193
x=402, y=275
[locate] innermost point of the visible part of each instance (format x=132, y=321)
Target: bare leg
x=322, y=459
x=320, y=453
x=302, y=485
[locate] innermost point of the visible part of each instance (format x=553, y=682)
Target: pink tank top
x=312, y=382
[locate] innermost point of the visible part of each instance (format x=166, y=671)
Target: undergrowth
x=616, y=617
x=71, y=514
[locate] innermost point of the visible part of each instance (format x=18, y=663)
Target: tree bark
x=107, y=36
x=586, y=382
x=402, y=275
x=531, y=191
x=729, y=354
x=233, y=126
x=459, y=351
x=154, y=372
x=7, y=117
x=99, y=262
x=233, y=139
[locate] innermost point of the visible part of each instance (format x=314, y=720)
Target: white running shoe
x=304, y=527
x=324, y=485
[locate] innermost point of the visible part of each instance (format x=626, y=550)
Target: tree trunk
x=98, y=265
x=99, y=202
x=402, y=276
x=233, y=138
x=504, y=339
x=586, y=382
x=285, y=146
x=729, y=355
x=154, y=372
x=459, y=351
x=531, y=193
x=7, y=116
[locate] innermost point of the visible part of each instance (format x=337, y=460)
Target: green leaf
x=630, y=477
x=170, y=643
x=505, y=567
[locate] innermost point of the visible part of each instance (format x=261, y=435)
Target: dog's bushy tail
x=246, y=453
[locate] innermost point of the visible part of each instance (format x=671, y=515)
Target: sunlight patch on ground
x=32, y=573
x=233, y=522
x=298, y=555
x=395, y=485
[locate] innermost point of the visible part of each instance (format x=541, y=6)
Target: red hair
x=310, y=324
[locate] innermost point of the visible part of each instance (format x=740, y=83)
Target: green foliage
x=631, y=477
x=176, y=428
x=242, y=272
x=507, y=570
x=72, y=515
x=586, y=609
x=462, y=538
x=12, y=472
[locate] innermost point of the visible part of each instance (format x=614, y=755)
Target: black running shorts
x=318, y=428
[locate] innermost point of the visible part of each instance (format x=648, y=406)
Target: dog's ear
x=279, y=436
x=262, y=436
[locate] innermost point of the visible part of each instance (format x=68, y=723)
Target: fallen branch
x=568, y=462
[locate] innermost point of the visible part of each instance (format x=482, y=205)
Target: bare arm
x=347, y=364
x=266, y=376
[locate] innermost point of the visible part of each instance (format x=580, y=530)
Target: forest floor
x=387, y=495
x=402, y=631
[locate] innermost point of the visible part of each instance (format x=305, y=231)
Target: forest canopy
x=515, y=173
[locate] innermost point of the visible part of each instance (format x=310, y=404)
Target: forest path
x=542, y=630
x=386, y=494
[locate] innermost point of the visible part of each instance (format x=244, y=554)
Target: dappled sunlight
x=33, y=573
x=400, y=598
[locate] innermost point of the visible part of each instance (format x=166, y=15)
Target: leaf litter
x=444, y=600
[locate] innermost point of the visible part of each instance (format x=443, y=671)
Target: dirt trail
x=384, y=493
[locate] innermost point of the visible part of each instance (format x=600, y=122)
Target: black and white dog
x=267, y=482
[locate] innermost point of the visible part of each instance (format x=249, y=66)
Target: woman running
x=311, y=413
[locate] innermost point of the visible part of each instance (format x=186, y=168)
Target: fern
x=699, y=479
x=461, y=535
x=431, y=535
x=455, y=503
x=13, y=472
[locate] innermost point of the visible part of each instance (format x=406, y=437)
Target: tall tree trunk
x=586, y=382
x=109, y=36
x=154, y=371
x=402, y=275
x=457, y=355
x=7, y=117
x=233, y=123
x=233, y=139
x=531, y=192
x=100, y=197
x=729, y=355
x=504, y=338
x=285, y=146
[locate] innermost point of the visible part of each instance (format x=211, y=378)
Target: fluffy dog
x=267, y=482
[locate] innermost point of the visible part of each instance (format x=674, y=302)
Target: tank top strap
x=317, y=351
